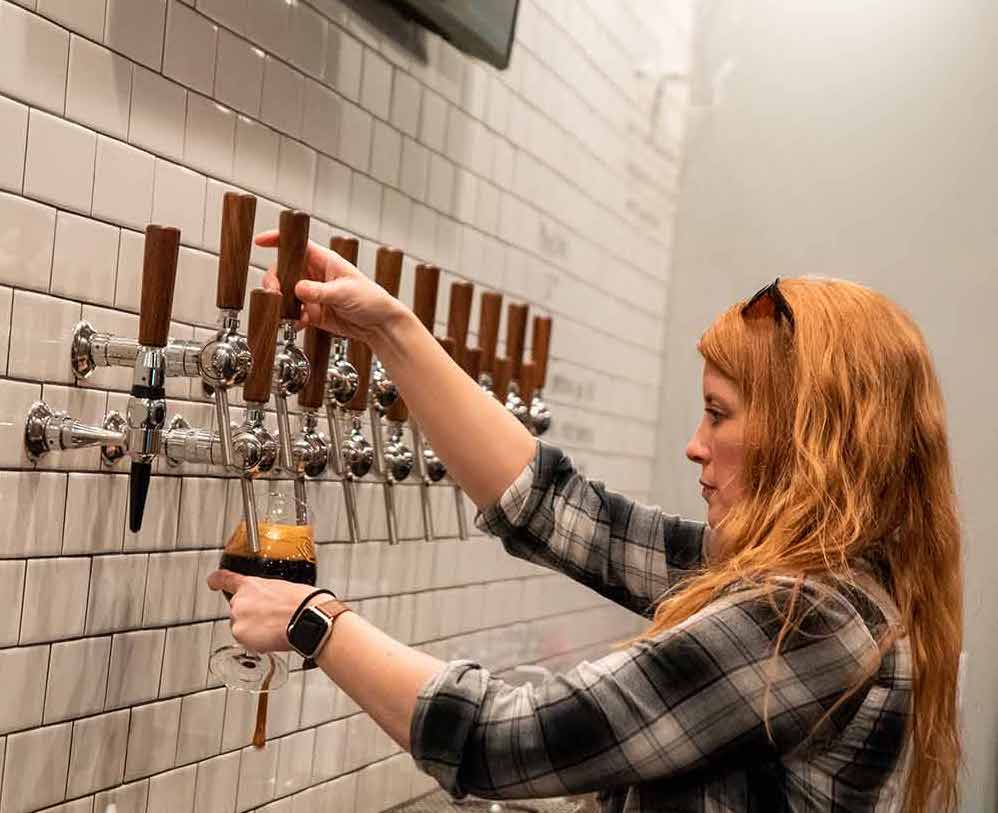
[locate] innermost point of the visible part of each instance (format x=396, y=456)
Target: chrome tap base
x=47, y=430
x=540, y=415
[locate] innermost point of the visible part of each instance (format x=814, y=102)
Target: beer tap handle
x=388, y=274
x=159, y=276
x=488, y=329
x=458, y=317
x=317, y=345
x=388, y=269
x=347, y=247
x=291, y=248
x=264, y=318
x=424, y=305
x=238, y=218
x=359, y=355
x=501, y=378
x=424, y=297
x=473, y=362
x=516, y=329
x=541, y=348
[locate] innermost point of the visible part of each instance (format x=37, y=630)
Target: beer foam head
x=287, y=542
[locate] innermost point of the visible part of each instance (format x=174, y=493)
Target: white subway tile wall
x=547, y=182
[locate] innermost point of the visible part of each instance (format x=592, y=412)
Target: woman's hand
x=260, y=609
x=336, y=296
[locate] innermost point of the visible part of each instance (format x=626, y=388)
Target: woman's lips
x=706, y=490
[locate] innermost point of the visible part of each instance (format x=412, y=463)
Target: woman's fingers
x=319, y=293
x=270, y=280
x=226, y=580
x=321, y=263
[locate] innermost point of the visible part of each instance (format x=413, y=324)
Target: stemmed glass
x=287, y=551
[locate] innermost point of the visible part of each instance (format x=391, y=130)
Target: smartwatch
x=310, y=627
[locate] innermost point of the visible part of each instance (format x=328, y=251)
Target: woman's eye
x=714, y=415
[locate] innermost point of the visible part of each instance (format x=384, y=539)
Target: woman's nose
x=696, y=450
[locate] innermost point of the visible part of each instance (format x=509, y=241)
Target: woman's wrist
x=388, y=338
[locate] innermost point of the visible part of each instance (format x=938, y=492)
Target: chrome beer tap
x=346, y=395
x=139, y=434
x=309, y=447
x=488, y=337
x=429, y=468
x=220, y=363
x=469, y=359
x=393, y=460
x=254, y=448
x=291, y=367
x=434, y=467
x=516, y=328
x=540, y=350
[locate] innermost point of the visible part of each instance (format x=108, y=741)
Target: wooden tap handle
x=501, y=376
x=317, y=346
x=291, y=247
x=488, y=328
x=528, y=381
x=424, y=296
x=347, y=247
x=473, y=362
x=516, y=331
x=264, y=318
x=541, y=349
x=159, y=276
x=359, y=355
x=388, y=269
x=238, y=219
x=458, y=317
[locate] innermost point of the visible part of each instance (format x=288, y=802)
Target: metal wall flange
x=81, y=352
x=176, y=422
x=115, y=422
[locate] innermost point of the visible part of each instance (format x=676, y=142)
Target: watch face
x=306, y=633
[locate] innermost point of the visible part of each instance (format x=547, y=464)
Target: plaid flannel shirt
x=676, y=722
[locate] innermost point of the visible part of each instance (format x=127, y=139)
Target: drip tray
x=440, y=802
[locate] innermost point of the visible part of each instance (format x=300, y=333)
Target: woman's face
x=717, y=444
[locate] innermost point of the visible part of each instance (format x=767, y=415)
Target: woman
x=804, y=643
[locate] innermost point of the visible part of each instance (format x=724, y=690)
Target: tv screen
x=482, y=28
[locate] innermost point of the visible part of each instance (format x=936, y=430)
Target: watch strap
x=333, y=610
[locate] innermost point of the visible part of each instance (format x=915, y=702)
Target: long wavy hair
x=846, y=456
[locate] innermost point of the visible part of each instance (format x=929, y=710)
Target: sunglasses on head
x=769, y=302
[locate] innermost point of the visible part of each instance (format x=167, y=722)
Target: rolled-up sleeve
x=630, y=553
x=700, y=695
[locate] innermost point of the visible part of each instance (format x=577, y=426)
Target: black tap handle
x=138, y=489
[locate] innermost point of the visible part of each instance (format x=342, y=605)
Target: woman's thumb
x=317, y=293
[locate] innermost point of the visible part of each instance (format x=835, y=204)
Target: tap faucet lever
x=255, y=448
x=291, y=367
x=225, y=360
x=516, y=328
x=311, y=448
x=488, y=338
x=349, y=372
x=147, y=405
x=429, y=468
x=435, y=469
x=392, y=457
x=459, y=316
x=540, y=413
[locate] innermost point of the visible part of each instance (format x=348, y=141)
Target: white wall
x=542, y=182
x=854, y=139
